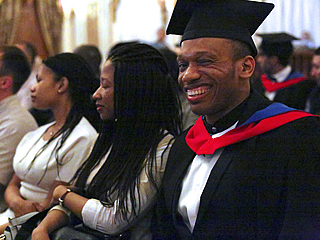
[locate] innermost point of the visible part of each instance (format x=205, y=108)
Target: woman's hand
x=21, y=207
x=40, y=233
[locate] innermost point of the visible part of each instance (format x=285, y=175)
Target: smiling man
x=248, y=168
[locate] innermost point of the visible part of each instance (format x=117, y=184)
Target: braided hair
x=147, y=108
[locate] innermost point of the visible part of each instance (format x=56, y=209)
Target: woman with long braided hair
x=50, y=155
x=116, y=187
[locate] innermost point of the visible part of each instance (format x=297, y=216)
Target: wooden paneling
x=301, y=61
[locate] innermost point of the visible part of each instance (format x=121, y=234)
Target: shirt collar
x=283, y=74
x=226, y=121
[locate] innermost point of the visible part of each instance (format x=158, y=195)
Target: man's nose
x=191, y=73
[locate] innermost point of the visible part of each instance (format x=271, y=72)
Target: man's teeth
x=196, y=92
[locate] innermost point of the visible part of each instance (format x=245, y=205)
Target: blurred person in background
x=15, y=121
x=279, y=81
x=313, y=102
x=93, y=56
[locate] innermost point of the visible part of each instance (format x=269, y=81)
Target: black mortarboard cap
x=277, y=37
x=277, y=44
x=232, y=19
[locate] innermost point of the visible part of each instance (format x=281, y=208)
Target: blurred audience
x=15, y=121
x=306, y=41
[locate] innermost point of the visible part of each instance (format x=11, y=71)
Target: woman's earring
x=59, y=91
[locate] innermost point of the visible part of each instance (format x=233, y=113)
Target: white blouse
x=109, y=219
x=36, y=179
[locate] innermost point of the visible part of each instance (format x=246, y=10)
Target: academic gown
x=265, y=187
x=295, y=95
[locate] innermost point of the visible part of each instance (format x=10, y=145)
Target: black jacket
x=266, y=187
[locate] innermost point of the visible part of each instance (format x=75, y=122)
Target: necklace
x=52, y=131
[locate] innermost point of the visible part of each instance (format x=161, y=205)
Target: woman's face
x=104, y=94
x=45, y=92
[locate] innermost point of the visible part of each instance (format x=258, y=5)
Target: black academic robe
x=314, y=101
x=265, y=187
x=294, y=96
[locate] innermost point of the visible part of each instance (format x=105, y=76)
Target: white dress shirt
x=280, y=77
x=15, y=122
x=195, y=181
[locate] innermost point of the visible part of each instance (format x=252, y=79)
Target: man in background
x=280, y=82
x=15, y=121
x=92, y=55
x=313, y=102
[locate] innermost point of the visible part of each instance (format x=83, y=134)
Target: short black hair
x=317, y=51
x=30, y=50
x=240, y=49
x=16, y=65
x=283, y=51
x=92, y=55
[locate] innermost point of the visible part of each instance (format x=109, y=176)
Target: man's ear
x=5, y=82
x=63, y=85
x=247, y=66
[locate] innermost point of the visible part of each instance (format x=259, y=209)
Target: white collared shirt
x=195, y=181
x=280, y=77
x=15, y=122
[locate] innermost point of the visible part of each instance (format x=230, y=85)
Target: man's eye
x=182, y=66
x=204, y=62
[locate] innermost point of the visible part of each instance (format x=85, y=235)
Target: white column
x=80, y=10
x=67, y=28
x=105, y=27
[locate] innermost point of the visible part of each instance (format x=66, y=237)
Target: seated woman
x=50, y=155
x=116, y=187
